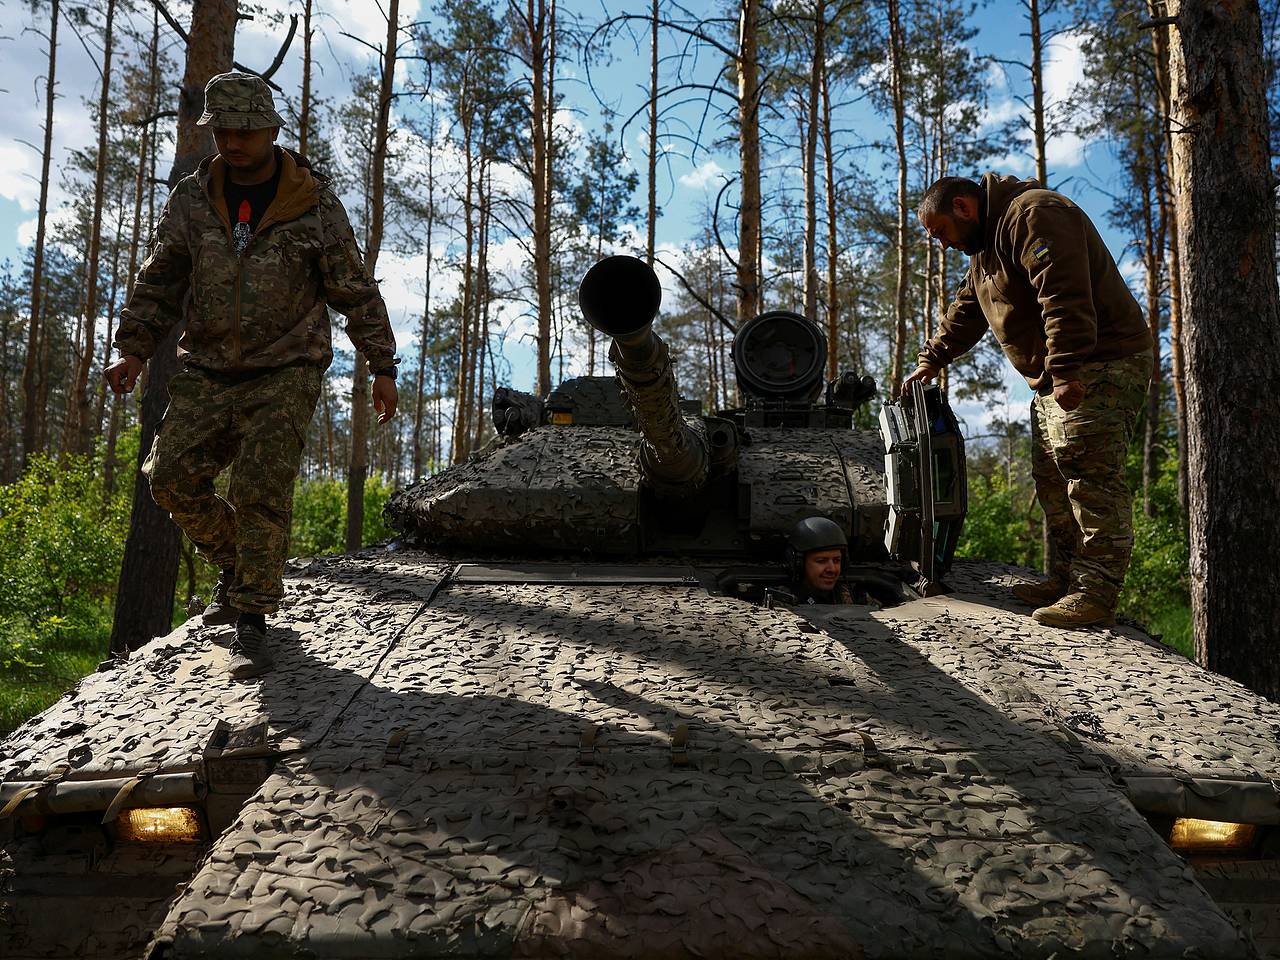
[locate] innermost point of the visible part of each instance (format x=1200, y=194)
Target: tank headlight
x=159, y=825
x=1212, y=836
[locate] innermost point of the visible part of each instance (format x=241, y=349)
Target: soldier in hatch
x=1043, y=281
x=816, y=552
x=251, y=250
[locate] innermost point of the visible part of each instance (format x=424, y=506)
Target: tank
x=622, y=467
x=556, y=718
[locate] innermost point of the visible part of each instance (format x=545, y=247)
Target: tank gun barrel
x=620, y=296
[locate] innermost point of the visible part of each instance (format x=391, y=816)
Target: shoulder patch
x=1040, y=250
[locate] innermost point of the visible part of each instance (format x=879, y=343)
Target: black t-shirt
x=246, y=203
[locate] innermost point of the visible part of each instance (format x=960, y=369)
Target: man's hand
x=1068, y=395
x=922, y=373
x=123, y=374
x=384, y=398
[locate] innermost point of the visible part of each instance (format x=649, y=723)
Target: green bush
x=61, y=542
x=996, y=528
x=1157, y=588
x=320, y=516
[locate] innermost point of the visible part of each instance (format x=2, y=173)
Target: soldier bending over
x=1043, y=281
x=251, y=250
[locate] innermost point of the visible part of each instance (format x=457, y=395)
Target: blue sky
x=1084, y=171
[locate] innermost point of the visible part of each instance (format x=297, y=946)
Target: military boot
x=1041, y=594
x=1076, y=610
x=249, y=653
x=220, y=612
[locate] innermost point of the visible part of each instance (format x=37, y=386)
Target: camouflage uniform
x=255, y=344
x=1045, y=284
x=257, y=426
x=1078, y=462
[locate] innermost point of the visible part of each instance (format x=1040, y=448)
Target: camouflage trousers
x=1078, y=462
x=257, y=427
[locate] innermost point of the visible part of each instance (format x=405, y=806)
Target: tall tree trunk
x=1152, y=256
x=331, y=459
x=833, y=243
x=1173, y=257
x=8, y=435
x=652, y=217
x=358, y=470
x=149, y=572
x=749, y=93
x=900, y=240
x=1037, y=92
x=33, y=411
x=112, y=290
x=463, y=385
x=481, y=339
x=419, y=385
x=304, y=108
x=540, y=116
x=424, y=336
x=1226, y=221
x=437, y=424
x=811, y=166
x=136, y=237
x=80, y=422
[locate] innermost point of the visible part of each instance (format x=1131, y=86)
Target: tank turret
x=624, y=467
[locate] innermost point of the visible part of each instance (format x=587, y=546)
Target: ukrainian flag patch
x=1041, y=250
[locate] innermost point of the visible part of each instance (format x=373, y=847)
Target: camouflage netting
x=547, y=769
x=578, y=488
x=556, y=488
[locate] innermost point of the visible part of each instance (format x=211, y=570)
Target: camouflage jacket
x=265, y=308
x=1046, y=285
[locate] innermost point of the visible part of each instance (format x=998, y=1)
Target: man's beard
x=971, y=239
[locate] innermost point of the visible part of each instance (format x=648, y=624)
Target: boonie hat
x=238, y=101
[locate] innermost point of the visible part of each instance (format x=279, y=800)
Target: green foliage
x=320, y=516
x=61, y=542
x=1157, y=589
x=1003, y=524
x=998, y=527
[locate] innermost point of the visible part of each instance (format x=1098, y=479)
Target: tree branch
x=266, y=77
x=696, y=296
x=284, y=48
x=715, y=225
x=158, y=115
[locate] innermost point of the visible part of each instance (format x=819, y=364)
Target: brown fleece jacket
x=1047, y=287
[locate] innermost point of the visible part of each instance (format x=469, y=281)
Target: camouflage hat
x=239, y=101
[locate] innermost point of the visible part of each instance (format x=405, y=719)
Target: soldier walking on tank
x=251, y=251
x=1042, y=280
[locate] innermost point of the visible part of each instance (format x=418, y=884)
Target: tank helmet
x=813, y=533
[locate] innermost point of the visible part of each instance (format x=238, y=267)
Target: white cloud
x=1063, y=70
x=976, y=418
x=17, y=166
x=1063, y=65
x=702, y=175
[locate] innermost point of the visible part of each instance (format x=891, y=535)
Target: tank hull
x=496, y=758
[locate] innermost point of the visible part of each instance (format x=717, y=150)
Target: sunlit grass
x=1173, y=626
x=26, y=690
